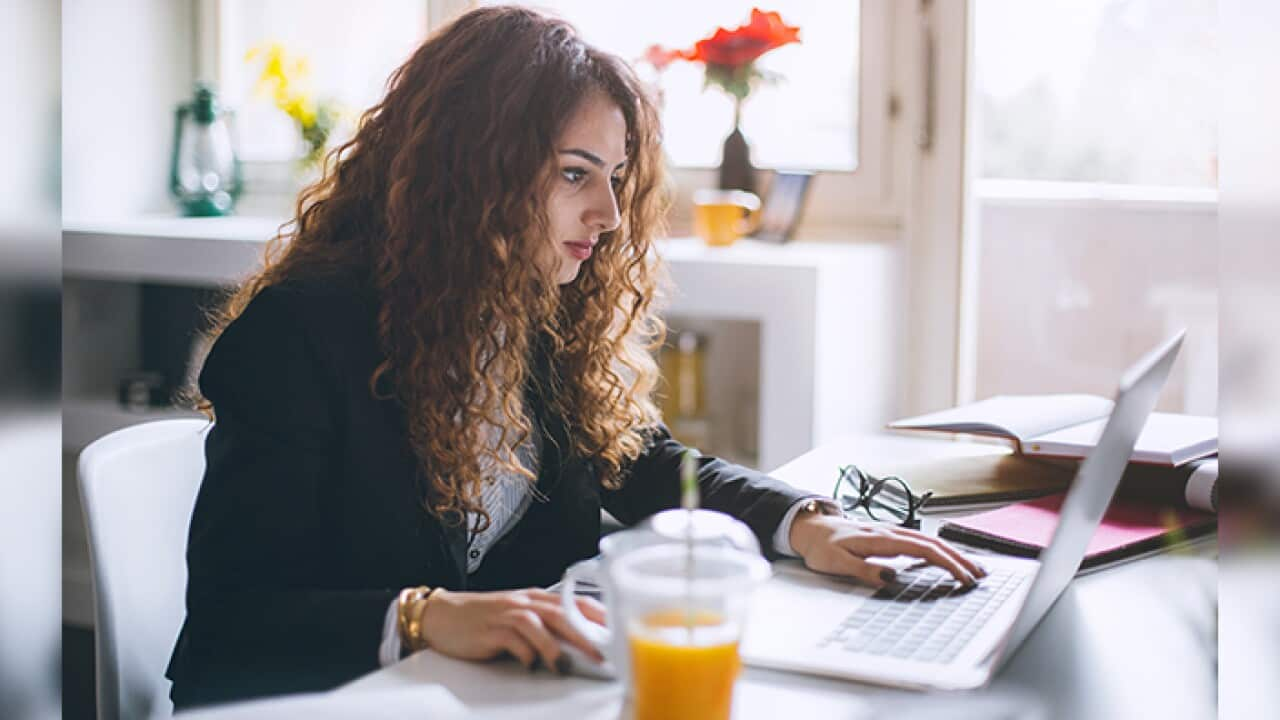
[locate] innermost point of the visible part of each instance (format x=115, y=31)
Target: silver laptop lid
x=1094, y=485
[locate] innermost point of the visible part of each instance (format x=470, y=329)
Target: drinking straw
x=689, y=497
x=689, y=500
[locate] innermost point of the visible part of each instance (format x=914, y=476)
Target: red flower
x=660, y=57
x=741, y=46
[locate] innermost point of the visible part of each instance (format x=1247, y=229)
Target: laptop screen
x=1094, y=486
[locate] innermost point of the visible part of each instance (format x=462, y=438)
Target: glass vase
x=736, y=172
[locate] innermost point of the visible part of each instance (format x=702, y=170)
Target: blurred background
x=1031, y=193
x=30, y=305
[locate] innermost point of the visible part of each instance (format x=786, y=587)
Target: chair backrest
x=138, y=486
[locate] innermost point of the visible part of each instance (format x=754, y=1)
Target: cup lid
x=705, y=526
x=661, y=570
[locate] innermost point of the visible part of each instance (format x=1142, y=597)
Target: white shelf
x=164, y=249
x=215, y=251
x=827, y=342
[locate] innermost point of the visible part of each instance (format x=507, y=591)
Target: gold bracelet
x=405, y=617
x=417, y=641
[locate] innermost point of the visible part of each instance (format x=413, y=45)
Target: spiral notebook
x=1128, y=529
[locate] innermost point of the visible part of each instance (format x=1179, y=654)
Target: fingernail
x=888, y=574
x=564, y=664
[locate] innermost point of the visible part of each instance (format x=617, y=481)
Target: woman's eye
x=616, y=182
x=574, y=175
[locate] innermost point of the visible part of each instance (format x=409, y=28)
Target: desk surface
x=1136, y=640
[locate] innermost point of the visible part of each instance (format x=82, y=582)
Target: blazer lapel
x=455, y=536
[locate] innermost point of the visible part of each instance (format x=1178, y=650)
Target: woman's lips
x=581, y=251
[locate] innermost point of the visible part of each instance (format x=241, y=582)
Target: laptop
x=925, y=631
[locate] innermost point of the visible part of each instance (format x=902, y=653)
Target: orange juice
x=679, y=670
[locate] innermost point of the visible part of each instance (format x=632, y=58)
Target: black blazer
x=310, y=517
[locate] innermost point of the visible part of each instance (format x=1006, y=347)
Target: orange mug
x=720, y=217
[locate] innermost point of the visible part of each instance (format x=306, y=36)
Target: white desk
x=1137, y=640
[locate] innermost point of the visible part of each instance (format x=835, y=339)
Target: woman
x=444, y=375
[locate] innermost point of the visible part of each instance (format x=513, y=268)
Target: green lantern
x=204, y=176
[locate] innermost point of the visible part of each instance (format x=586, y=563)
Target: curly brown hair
x=437, y=204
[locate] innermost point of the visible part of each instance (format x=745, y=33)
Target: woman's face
x=588, y=166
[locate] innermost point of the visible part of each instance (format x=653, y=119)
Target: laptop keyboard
x=923, y=615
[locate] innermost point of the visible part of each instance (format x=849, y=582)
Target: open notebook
x=1069, y=426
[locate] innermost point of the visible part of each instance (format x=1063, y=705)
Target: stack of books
x=1169, y=492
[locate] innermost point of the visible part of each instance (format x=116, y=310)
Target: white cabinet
x=826, y=338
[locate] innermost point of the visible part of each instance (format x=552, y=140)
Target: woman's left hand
x=839, y=546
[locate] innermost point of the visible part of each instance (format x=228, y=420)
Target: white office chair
x=138, y=486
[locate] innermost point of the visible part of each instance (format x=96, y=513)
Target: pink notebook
x=1127, y=529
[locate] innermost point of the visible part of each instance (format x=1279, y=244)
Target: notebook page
x=1019, y=416
x=1167, y=438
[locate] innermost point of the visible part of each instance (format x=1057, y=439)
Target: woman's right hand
x=528, y=624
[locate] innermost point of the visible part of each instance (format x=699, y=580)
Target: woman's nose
x=603, y=214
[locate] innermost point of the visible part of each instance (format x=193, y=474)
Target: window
x=807, y=120
x=1093, y=205
x=839, y=78
x=351, y=52
x=1107, y=91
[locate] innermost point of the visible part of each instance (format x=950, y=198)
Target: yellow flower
x=284, y=78
x=300, y=108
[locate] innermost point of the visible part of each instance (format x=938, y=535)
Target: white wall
x=28, y=185
x=126, y=65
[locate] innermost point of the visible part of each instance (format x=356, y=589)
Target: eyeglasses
x=890, y=495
